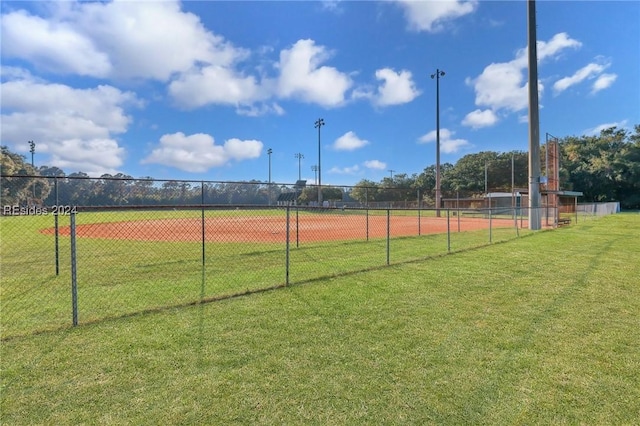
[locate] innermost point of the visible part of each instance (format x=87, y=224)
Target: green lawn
x=119, y=277
x=537, y=330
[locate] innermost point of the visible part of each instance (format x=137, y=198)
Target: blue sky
x=201, y=90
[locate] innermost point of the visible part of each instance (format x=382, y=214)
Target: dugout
x=559, y=206
x=493, y=200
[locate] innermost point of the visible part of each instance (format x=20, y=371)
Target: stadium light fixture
x=32, y=150
x=299, y=156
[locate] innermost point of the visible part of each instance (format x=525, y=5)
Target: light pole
x=299, y=156
x=318, y=124
x=535, y=221
x=439, y=73
x=315, y=175
x=269, y=152
x=32, y=150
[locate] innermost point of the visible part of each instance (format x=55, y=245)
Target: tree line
x=605, y=167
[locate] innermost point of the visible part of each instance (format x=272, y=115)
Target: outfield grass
x=538, y=330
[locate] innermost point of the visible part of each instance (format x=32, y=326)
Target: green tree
x=331, y=193
x=604, y=167
x=25, y=190
x=365, y=191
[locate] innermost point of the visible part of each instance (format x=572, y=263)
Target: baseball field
x=127, y=262
x=542, y=329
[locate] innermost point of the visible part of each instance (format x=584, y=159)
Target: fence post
x=458, y=209
x=74, y=279
x=57, y=238
x=366, y=196
x=297, y=227
x=204, y=263
x=490, y=223
x=388, y=234
x=419, y=215
x=448, y=232
x=286, y=279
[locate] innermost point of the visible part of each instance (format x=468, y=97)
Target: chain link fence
x=75, y=262
x=593, y=210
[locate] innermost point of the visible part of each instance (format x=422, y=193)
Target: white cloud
x=198, y=152
x=256, y=110
x=450, y=146
x=397, y=88
x=595, y=131
x=432, y=15
x=480, y=118
x=116, y=40
x=332, y=6
x=237, y=149
x=17, y=73
x=603, y=81
x=589, y=71
x=136, y=37
x=375, y=165
x=129, y=40
x=447, y=144
x=349, y=142
x=355, y=169
x=76, y=127
x=215, y=85
x=551, y=48
x=302, y=77
x=52, y=45
x=501, y=87
x=345, y=170
x=94, y=157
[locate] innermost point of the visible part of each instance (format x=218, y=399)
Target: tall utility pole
x=269, y=152
x=391, y=172
x=534, y=122
x=318, y=124
x=315, y=174
x=299, y=156
x=439, y=73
